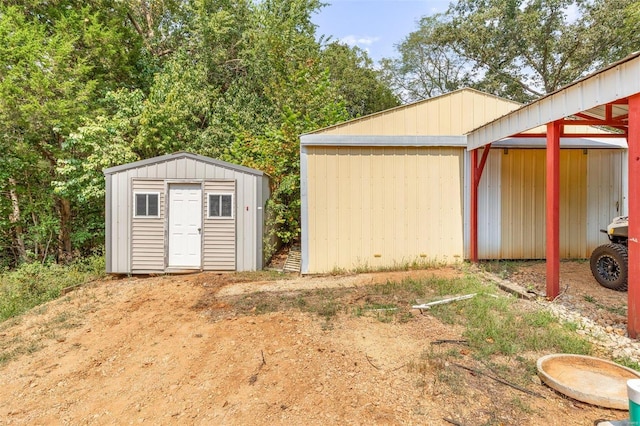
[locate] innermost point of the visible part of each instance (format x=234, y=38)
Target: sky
x=374, y=25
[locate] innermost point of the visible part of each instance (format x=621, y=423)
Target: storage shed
x=392, y=188
x=184, y=212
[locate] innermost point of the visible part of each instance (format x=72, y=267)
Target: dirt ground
x=579, y=291
x=176, y=350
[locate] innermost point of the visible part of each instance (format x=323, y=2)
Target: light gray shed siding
x=147, y=233
x=139, y=245
x=219, y=235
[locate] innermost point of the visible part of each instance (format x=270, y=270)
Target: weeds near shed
x=628, y=362
x=494, y=326
x=503, y=268
x=618, y=310
x=364, y=267
x=32, y=284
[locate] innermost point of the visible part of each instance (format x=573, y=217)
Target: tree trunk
x=64, y=235
x=14, y=218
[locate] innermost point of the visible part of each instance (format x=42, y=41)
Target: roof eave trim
x=369, y=140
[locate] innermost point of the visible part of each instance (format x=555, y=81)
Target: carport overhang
x=609, y=97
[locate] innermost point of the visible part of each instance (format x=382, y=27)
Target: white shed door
x=185, y=226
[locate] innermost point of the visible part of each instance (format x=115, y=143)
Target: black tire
x=609, y=266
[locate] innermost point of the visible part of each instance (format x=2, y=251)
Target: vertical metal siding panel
x=124, y=222
x=573, y=214
x=456, y=117
x=350, y=205
x=448, y=211
x=209, y=171
x=422, y=119
x=161, y=170
x=343, y=205
x=200, y=170
x=466, y=203
x=251, y=193
x=433, y=120
x=262, y=233
x=605, y=175
x=108, y=228
x=318, y=205
x=538, y=192
x=181, y=167
x=240, y=221
x=409, y=192
x=411, y=122
x=320, y=224
x=423, y=202
x=308, y=172
x=489, y=207
x=367, y=198
x=398, y=206
x=377, y=126
x=453, y=232
x=523, y=202
x=379, y=201
x=243, y=191
x=511, y=182
x=333, y=189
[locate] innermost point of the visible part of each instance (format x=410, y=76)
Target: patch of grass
x=495, y=327
x=329, y=309
x=264, y=275
x=628, y=362
x=32, y=284
x=16, y=347
x=503, y=268
x=618, y=310
x=402, y=265
x=521, y=405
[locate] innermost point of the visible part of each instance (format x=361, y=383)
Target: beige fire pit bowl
x=587, y=379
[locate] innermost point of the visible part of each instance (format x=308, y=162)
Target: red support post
x=633, y=140
x=473, y=228
x=553, y=209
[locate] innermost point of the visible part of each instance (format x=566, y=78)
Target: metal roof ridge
x=177, y=155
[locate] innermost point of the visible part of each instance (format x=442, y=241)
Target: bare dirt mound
x=174, y=350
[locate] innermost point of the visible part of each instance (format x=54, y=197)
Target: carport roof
x=597, y=99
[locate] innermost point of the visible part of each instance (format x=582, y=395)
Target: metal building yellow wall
x=523, y=203
x=383, y=206
x=454, y=113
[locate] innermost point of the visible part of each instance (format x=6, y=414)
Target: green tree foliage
x=352, y=73
x=57, y=60
x=427, y=66
x=86, y=85
x=519, y=49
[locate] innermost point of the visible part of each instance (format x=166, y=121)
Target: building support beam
x=633, y=311
x=476, y=175
x=553, y=209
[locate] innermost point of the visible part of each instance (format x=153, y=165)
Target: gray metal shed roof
x=178, y=155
